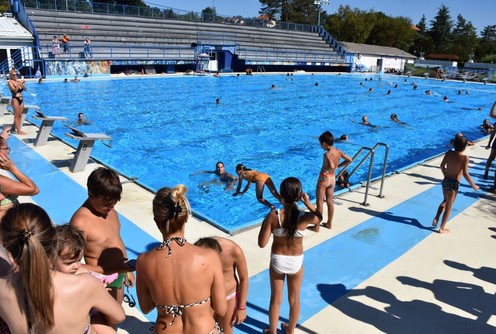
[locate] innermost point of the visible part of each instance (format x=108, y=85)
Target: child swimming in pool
x=260, y=179
x=327, y=181
x=453, y=166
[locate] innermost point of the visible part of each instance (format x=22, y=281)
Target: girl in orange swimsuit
x=260, y=179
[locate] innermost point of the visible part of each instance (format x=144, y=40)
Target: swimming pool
x=167, y=128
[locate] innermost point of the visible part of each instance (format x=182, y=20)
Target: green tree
x=273, y=8
x=4, y=6
x=422, y=25
x=422, y=41
x=350, y=25
x=440, y=31
x=486, y=49
x=392, y=31
x=464, y=38
x=209, y=14
x=296, y=11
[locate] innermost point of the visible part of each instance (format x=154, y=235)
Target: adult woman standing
x=51, y=302
x=184, y=282
x=286, y=260
x=16, y=87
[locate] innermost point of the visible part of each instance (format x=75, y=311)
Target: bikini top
x=166, y=244
x=281, y=232
x=176, y=310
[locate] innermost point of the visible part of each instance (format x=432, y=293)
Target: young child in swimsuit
x=453, y=166
x=327, y=181
x=260, y=179
x=70, y=251
x=287, y=228
x=235, y=272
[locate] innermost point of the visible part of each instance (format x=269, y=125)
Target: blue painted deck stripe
x=353, y=256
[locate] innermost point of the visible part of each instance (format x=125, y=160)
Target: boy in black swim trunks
x=453, y=166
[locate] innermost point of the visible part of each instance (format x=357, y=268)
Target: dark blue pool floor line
x=350, y=257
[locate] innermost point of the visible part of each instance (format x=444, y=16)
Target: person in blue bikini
x=453, y=166
x=287, y=226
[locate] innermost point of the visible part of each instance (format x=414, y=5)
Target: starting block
x=83, y=151
x=4, y=103
x=45, y=127
x=25, y=111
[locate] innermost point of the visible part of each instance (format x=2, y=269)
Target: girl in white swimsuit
x=287, y=227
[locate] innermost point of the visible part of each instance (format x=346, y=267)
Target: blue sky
x=481, y=12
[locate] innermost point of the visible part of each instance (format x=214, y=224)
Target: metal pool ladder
x=371, y=153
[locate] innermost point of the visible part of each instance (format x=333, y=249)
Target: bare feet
x=434, y=222
x=285, y=328
x=444, y=231
x=315, y=228
x=328, y=225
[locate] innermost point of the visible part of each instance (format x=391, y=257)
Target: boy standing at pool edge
x=327, y=176
x=453, y=166
x=105, y=252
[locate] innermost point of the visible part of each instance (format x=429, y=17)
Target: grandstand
x=128, y=42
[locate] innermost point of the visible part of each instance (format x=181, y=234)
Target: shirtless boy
x=453, y=166
x=97, y=219
x=235, y=279
x=327, y=177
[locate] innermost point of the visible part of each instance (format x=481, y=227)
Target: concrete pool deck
x=379, y=270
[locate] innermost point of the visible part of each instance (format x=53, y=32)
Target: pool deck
x=381, y=269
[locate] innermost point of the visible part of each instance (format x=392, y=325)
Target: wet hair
x=171, y=209
x=104, y=182
x=290, y=191
x=80, y=114
x=327, y=138
x=460, y=142
x=71, y=240
x=219, y=162
x=30, y=237
x=240, y=167
x=343, y=137
x=209, y=243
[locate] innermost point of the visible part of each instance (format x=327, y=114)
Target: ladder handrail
x=371, y=154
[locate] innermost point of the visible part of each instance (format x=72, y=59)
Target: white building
x=375, y=58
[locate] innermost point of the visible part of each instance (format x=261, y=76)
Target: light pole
x=320, y=3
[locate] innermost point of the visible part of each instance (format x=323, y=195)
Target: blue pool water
x=166, y=129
